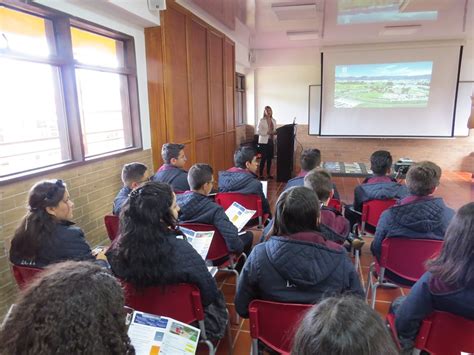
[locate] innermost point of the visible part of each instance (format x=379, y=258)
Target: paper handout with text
x=200, y=240
x=239, y=215
x=155, y=335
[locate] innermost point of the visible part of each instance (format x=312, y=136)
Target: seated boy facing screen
x=133, y=175
x=310, y=159
x=242, y=178
x=172, y=171
x=196, y=207
x=379, y=186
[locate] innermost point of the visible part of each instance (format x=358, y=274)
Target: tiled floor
x=456, y=189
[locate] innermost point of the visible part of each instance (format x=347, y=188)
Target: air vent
x=302, y=35
x=403, y=30
x=295, y=11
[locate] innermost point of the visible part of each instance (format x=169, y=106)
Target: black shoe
x=261, y=177
x=269, y=177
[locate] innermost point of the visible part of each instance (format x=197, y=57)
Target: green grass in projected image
x=383, y=85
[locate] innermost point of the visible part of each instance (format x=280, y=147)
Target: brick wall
x=453, y=154
x=92, y=188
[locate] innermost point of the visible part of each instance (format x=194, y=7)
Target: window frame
x=64, y=60
x=240, y=90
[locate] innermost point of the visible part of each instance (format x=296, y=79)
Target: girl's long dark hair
x=297, y=210
x=455, y=264
x=72, y=308
x=37, y=227
x=144, y=254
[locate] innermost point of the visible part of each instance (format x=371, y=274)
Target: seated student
x=447, y=286
x=73, y=308
x=133, y=175
x=196, y=207
x=333, y=225
x=172, y=171
x=420, y=215
x=242, y=178
x=380, y=186
x=297, y=264
x=46, y=234
x=152, y=252
x=342, y=326
x=310, y=159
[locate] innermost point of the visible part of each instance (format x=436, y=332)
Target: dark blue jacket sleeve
x=247, y=287
x=358, y=198
x=380, y=233
x=413, y=310
x=76, y=247
x=228, y=230
x=181, y=182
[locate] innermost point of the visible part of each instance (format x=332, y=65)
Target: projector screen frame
x=319, y=129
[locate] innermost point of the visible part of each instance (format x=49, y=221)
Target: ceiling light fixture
x=302, y=35
x=402, y=30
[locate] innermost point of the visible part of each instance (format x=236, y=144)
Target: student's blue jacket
x=378, y=188
x=303, y=268
x=67, y=243
x=244, y=182
x=120, y=199
x=299, y=181
x=176, y=177
x=197, y=208
x=413, y=217
x=427, y=295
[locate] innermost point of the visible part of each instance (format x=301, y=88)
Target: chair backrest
x=112, y=226
x=276, y=323
x=444, y=333
x=180, y=301
x=336, y=204
x=371, y=210
x=406, y=257
x=218, y=248
x=24, y=275
x=250, y=202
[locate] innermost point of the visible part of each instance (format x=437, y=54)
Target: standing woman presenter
x=266, y=131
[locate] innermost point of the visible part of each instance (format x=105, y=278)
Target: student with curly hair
x=73, y=308
x=46, y=234
x=447, y=286
x=152, y=252
x=342, y=326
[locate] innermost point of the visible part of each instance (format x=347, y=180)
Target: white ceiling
x=440, y=19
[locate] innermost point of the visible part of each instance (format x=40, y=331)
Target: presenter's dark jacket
x=197, y=208
x=67, y=243
x=120, y=199
x=427, y=295
x=301, y=268
x=299, y=181
x=244, y=182
x=176, y=177
x=378, y=188
x=415, y=217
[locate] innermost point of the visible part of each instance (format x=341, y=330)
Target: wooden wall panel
x=203, y=150
x=219, y=162
x=230, y=143
x=199, y=79
x=176, y=88
x=229, y=80
x=217, y=82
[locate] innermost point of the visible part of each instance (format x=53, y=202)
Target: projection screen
x=390, y=91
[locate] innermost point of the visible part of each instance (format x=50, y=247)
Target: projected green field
x=383, y=85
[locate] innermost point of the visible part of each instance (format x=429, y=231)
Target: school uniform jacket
x=120, y=199
x=302, y=268
x=378, y=188
x=244, y=182
x=176, y=177
x=197, y=208
x=299, y=181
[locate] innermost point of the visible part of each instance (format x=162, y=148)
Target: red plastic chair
x=250, y=202
x=275, y=324
x=445, y=333
x=24, y=275
x=404, y=257
x=112, y=226
x=181, y=302
x=371, y=211
x=336, y=204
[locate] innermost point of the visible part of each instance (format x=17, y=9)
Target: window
x=68, y=91
x=240, y=107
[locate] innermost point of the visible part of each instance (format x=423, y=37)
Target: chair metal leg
x=229, y=336
x=212, y=350
x=369, y=280
x=374, y=294
x=357, y=259
x=254, y=347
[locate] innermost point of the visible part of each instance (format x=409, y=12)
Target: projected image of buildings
x=383, y=85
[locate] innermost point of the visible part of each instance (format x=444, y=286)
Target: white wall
x=108, y=20
x=282, y=79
